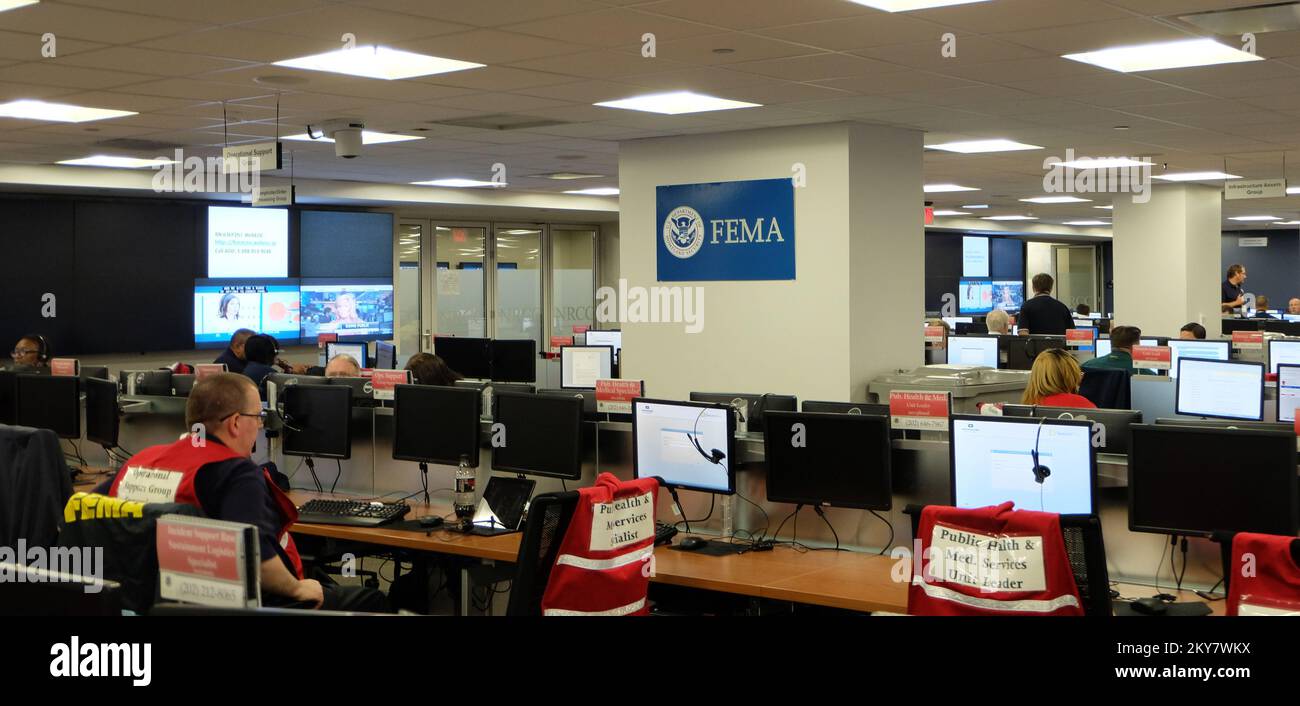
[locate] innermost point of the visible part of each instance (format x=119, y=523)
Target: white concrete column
x=854, y=309
x=1167, y=252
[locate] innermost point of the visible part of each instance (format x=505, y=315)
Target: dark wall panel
x=38, y=246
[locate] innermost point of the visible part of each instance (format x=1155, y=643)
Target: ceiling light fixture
x=676, y=103
x=1178, y=54
x=378, y=62
x=983, y=146
x=57, y=112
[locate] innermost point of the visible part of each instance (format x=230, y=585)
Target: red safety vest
x=1272, y=581
x=991, y=561
x=165, y=474
x=604, y=563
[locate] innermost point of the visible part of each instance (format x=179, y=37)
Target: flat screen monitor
x=1022, y=350
x=1103, y=347
x=974, y=296
x=1199, y=480
x=222, y=307
x=1283, y=352
x=470, y=357
x=358, y=352
x=1220, y=389
x=973, y=350
x=8, y=397
x=542, y=435
x=385, y=355
x=755, y=405
x=1288, y=392
x=248, y=242
x=845, y=407
x=607, y=338
x=676, y=442
x=434, y=424
x=952, y=321
x=839, y=460
x=514, y=360
x=101, y=412
x=351, y=308
x=1113, y=435
x=317, y=420
x=582, y=366
x=1199, y=349
x=974, y=256
x=1008, y=295
x=1291, y=317
x=992, y=462
x=49, y=402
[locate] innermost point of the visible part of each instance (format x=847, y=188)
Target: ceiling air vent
x=1278, y=17
x=133, y=145
x=500, y=121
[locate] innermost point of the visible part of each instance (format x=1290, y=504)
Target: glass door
x=517, y=294
x=411, y=334
x=1076, y=276
x=460, y=253
x=573, y=278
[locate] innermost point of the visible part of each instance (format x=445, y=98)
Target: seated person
x=233, y=356
x=1261, y=308
x=429, y=369
x=1191, y=332
x=30, y=354
x=998, y=322
x=1054, y=381
x=342, y=366
x=1122, y=340
x=260, y=351
x=1293, y=306
x=220, y=479
x=1083, y=310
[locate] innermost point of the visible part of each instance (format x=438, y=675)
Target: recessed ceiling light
x=564, y=176
x=103, y=160
x=1286, y=223
x=1055, y=199
x=946, y=188
x=1254, y=218
x=951, y=213
x=1008, y=218
x=1086, y=223
x=367, y=138
x=378, y=62
x=15, y=4
x=976, y=205
x=57, y=112
x=1292, y=190
x=1178, y=54
x=601, y=191
x=1196, y=176
x=909, y=5
x=1105, y=163
x=980, y=146
x=676, y=103
x=1120, y=127
x=458, y=183
x=1105, y=208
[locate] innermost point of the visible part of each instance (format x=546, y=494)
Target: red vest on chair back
x=1274, y=583
x=165, y=474
x=603, y=565
x=991, y=561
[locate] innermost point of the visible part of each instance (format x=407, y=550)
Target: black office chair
x=34, y=485
x=49, y=593
x=1108, y=389
x=1087, y=552
x=548, y=520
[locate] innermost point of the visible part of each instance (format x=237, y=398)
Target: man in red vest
x=212, y=470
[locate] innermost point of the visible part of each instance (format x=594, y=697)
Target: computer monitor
x=49, y=402
x=1115, y=423
x=844, y=407
x=755, y=404
x=606, y=338
x=8, y=397
x=678, y=442
x=514, y=360
x=317, y=420
x=1291, y=317
x=1103, y=347
x=952, y=321
x=358, y=352
x=973, y=350
x=1198, y=349
x=101, y=412
x=1288, y=392
x=1283, y=352
x=385, y=355
x=582, y=366
x=470, y=357
x=146, y=382
x=95, y=371
x=992, y=461
x=1022, y=350
x=1008, y=295
x=543, y=435
x=1220, y=389
x=1199, y=481
x=352, y=308
x=974, y=295
x=838, y=460
x=588, y=397
x=977, y=329
x=433, y=424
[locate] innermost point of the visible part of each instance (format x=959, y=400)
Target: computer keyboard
x=354, y=513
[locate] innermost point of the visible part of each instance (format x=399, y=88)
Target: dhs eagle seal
x=683, y=232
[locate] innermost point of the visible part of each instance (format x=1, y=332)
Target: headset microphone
x=1041, y=472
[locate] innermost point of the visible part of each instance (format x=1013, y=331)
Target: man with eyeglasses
x=28, y=355
x=209, y=467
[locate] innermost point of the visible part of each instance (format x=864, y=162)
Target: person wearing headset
x=1054, y=381
x=31, y=353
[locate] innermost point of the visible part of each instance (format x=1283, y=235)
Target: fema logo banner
x=736, y=230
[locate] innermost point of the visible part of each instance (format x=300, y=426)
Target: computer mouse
x=430, y=521
x=691, y=543
x=1150, y=606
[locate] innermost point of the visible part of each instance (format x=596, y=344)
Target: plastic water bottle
x=465, y=481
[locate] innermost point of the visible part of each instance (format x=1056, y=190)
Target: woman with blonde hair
x=1054, y=381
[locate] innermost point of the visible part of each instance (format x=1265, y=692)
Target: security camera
x=345, y=133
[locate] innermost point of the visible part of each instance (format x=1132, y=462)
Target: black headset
x=716, y=457
x=1041, y=472
x=43, y=350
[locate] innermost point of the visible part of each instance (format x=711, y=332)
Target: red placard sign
x=919, y=410
x=323, y=338
x=1248, y=339
x=558, y=341
x=1152, y=357
x=64, y=367
x=934, y=334
x=615, y=396
x=580, y=328
x=203, y=370
x=382, y=382
x=1080, y=337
